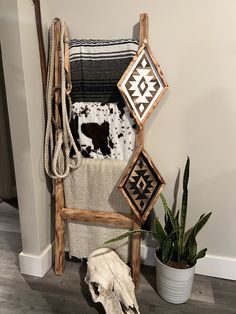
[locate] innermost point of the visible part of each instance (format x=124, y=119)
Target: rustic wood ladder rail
x=101, y=217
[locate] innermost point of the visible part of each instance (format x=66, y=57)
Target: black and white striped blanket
x=97, y=66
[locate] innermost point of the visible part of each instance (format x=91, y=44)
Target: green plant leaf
x=186, y=234
x=201, y=222
x=200, y=254
x=178, y=245
x=160, y=232
x=190, y=244
x=196, y=228
x=126, y=234
x=121, y=237
x=168, y=225
x=175, y=250
x=167, y=247
x=177, y=218
x=192, y=249
x=169, y=214
x=164, y=202
x=184, y=204
x=202, y=216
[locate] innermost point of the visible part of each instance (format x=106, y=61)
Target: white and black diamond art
x=142, y=185
x=143, y=85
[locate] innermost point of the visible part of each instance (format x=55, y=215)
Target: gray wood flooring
x=69, y=293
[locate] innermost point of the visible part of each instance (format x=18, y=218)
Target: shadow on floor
x=63, y=294
x=149, y=273
x=85, y=290
x=13, y=202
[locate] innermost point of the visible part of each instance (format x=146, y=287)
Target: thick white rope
x=58, y=156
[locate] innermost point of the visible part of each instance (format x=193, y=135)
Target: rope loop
x=59, y=141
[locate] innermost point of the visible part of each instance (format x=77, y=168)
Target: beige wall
x=25, y=107
x=195, y=43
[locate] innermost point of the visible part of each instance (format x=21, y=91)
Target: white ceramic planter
x=174, y=285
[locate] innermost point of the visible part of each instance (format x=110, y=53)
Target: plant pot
x=174, y=285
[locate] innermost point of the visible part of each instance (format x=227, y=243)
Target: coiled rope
x=57, y=161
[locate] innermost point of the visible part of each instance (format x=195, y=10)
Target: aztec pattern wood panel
x=142, y=85
x=141, y=184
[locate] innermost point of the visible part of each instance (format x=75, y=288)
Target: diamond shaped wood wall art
x=142, y=85
x=141, y=184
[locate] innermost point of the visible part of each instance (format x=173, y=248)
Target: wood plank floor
x=69, y=293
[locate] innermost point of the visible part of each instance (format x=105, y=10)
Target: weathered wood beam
x=99, y=217
x=59, y=228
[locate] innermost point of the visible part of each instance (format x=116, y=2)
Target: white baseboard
x=36, y=265
x=210, y=265
x=217, y=266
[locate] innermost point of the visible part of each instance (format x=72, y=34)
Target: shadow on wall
x=7, y=181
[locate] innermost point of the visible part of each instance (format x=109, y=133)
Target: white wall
x=195, y=43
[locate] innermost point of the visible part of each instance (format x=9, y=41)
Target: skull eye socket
x=95, y=287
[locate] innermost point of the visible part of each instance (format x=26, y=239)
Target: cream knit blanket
x=93, y=187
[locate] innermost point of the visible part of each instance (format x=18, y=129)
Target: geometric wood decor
x=141, y=184
x=142, y=85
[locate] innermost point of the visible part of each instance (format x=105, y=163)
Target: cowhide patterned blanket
x=103, y=130
x=101, y=123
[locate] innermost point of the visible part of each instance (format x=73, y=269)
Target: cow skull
x=110, y=282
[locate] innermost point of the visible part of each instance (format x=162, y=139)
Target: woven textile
x=101, y=123
x=93, y=187
x=97, y=66
x=103, y=130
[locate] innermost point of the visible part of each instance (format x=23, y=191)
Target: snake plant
x=177, y=247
